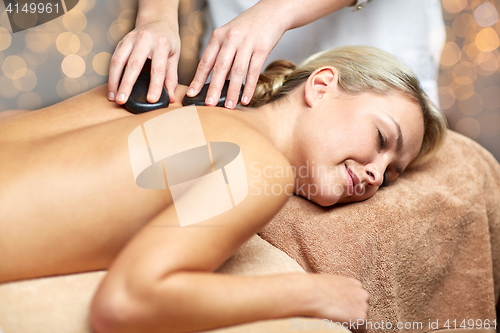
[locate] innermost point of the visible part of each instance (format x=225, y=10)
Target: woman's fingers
x=135, y=63
x=171, y=77
x=158, y=70
x=238, y=73
x=206, y=64
x=256, y=64
x=220, y=73
x=118, y=62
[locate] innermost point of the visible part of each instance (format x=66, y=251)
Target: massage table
x=427, y=248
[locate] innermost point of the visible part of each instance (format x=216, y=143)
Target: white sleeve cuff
x=360, y=4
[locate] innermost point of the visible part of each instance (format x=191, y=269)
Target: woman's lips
x=352, y=181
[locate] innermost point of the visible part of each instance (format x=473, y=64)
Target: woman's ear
x=321, y=81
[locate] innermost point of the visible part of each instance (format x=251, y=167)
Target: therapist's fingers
x=238, y=72
x=205, y=66
x=158, y=70
x=222, y=66
x=254, y=70
x=172, y=77
x=134, y=66
x=117, y=64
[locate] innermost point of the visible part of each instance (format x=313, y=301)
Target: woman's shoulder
x=266, y=167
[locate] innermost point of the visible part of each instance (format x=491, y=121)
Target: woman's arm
x=163, y=280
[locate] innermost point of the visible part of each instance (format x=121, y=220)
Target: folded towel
x=427, y=247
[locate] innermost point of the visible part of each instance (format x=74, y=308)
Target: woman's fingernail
x=111, y=96
x=121, y=98
x=210, y=100
x=229, y=104
x=245, y=100
x=152, y=97
x=190, y=92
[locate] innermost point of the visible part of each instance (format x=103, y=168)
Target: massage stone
x=137, y=102
x=200, y=98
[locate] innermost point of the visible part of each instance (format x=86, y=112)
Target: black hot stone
x=200, y=98
x=137, y=102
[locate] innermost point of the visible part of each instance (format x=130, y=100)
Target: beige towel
x=60, y=304
x=427, y=247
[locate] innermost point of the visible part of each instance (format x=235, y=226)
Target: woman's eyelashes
x=382, y=140
x=385, y=183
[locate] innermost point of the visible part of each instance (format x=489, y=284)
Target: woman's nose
x=374, y=175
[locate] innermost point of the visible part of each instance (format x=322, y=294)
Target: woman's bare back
x=69, y=201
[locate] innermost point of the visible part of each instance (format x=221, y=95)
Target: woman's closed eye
x=382, y=146
x=385, y=183
x=382, y=140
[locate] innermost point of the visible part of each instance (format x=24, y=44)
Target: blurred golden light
x=88, y=59
x=446, y=97
x=129, y=15
x=185, y=7
x=116, y=32
x=462, y=91
x=35, y=58
x=8, y=90
x=454, y=6
x=24, y=21
x=451, y=54
x=126, y=25
x=14, y=66
x=73, y=66
x=4, y=21
x=85, y=5
x=100, y=63
x=29, y=101
x=472, y=105
x=450, y=35
x=47, y=33
x=464, y=73
x=487, y=40
x=445, y=78
x=83, y=82
x=195, y=22
x=26, y=82
x=5, y=39
x=74, y=21
x=68, y=43
x=487, y=61
x=128, y=4
x=464, y=25
x=491, y=97
x=72, y=86
x=469, y=127
x=86, y=43
x=472, y=51
x=486, y=15
x=490, y=125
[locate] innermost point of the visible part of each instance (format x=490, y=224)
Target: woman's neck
x=276, y=121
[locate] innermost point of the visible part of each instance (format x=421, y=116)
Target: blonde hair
x=361, y=69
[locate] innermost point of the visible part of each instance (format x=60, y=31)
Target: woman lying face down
x=357, y=121
x=69, y=202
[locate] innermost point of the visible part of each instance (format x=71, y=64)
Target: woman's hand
x=339, y=299
x=158, y=41
x=238, y=48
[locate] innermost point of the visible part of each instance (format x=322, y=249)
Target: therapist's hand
x=237, y=48
x=158, y=41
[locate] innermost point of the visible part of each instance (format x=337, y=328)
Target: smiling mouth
x=352, y=181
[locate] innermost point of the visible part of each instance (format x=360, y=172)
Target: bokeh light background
x=71, y=54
